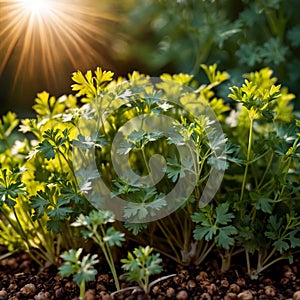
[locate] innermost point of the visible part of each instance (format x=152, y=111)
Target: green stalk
x=112, y=267
x=82, y=290
x=147, y=165
x=248, y=261
x=176, y=234
x=49, y=245
x=169, y=234
x=161, y=227
x=269, y=256
x=201, y=255
x=277, y=24
x=144, y=282
x=108, y=256
x=248, y=158
x=203, y=53
x=287, y=166
x=68, y=162
x=25, y=238
x=272, y=263
x=266, y=170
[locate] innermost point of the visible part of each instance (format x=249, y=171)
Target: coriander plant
x=82, y=270
x=140, y=265
x=254, y=210
x=95, y=227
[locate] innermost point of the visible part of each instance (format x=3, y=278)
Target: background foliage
x=240, y=36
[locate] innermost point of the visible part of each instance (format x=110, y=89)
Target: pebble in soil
x=21, y=280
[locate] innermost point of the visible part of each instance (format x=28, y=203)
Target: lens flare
x=40, y=38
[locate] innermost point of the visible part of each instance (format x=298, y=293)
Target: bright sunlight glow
x=40, y=36
x=37, y=7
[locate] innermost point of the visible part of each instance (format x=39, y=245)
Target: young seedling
x=141, y=264
x=82, y=270
x=95, y=225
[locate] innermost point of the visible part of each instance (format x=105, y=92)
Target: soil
x=22, y=279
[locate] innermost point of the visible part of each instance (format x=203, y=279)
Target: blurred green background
x=155, y=36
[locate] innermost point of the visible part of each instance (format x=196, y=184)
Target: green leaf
x=219, y=163
x=125, y=147
x=281, y=245
x=153, y=264
x=141, y=264
x=173, y=169
x=100, y=217
x=87, y=272
x=46, y=149
x=293, y=35
x=59, y=212
x=54, y=226
x=66, y=269
x=40, y=202
x=206, y=233
x=136, y=136
x=135, y=228
x=11, y=192
x=82, y=270
x=72, y=255
x=134, y=209
x=222, y=215
x=249, y=54
x=275, y=223
x=69, y=195
x=113, y=237
x=273, y=51
x=264, y=205
x=84, y=142
x=295, y=241
x=223, y=239
x=199, y=217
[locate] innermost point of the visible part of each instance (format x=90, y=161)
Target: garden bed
x=223, y=198
x=20, y=279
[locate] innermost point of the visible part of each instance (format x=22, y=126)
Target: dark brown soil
x=21, y=279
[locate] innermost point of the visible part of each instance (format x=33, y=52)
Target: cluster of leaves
x=261, y=143
x=267, y=146
x=227, y=32
x=18, y=231
x=39, y=192
x=44, y=190
x=139, y=98
x=83, y=270
x=140, y=265
x=95, y=228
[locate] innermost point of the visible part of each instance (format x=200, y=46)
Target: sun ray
x=46, y=34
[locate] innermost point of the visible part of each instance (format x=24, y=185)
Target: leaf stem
x=107, y=253
x=248, y=261
x=248, y=158
x=82, y=290
x=266, y=170
x=147, y=165
x=161, y=227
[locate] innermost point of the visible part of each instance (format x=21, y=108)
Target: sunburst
x=44, y=35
